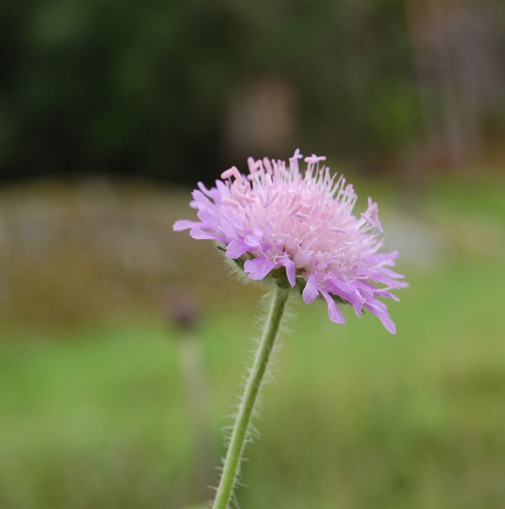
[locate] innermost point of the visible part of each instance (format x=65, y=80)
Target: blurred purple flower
x=280, y=222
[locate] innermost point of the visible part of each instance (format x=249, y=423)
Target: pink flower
x=299, y=227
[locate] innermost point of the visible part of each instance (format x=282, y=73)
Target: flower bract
x=277, y=221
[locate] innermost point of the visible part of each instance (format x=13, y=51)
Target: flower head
x=300, y=228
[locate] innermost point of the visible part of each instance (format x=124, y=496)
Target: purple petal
x=290, y=269
x=236, y=248
x=349, y=292
x=379, y=309
x=388, y=323
x=310, y=292
x=206, y=216
x=258, y=268
x=333, y=310
x=184, y=224
x=198, y=234
x=301, y=258
x=200, y=199
x=384, y=293
x=252, y=241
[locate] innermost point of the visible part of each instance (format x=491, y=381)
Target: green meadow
x=96, y=417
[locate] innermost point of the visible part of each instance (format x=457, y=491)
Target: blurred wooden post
x=195, y=388
x=183, y=311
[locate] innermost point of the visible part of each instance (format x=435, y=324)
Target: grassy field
x=355, y=419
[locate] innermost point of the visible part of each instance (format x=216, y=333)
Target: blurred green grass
x=96, y=417
x=356, y=418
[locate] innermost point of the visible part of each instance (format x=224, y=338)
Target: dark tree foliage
x=120, y=86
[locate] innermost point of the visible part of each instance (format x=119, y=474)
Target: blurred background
x=122, y=343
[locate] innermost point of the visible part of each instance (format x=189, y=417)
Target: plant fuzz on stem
x=231, y=467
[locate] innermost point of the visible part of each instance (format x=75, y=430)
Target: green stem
x=231, y=465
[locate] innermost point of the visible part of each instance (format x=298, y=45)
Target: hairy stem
x=233, y=459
